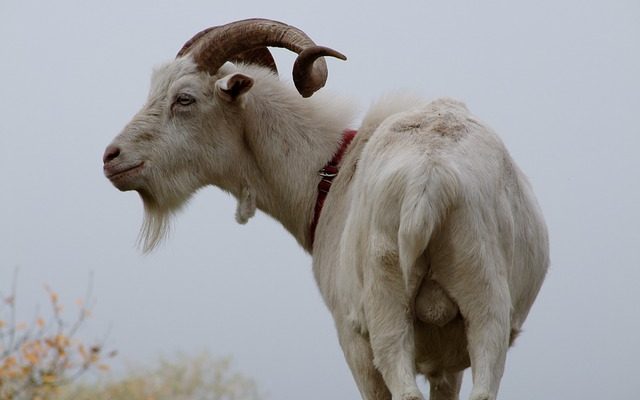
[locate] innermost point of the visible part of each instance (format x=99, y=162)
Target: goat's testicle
x=433, y=304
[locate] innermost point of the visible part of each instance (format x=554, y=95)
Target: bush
x=182, y=378
x=38, y=358
x=44, y=360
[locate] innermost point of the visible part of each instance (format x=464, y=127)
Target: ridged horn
x=214, y=46
x=261, y=55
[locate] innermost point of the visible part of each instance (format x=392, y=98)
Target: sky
x=558, y=81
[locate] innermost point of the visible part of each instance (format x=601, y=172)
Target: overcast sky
x=558, y=80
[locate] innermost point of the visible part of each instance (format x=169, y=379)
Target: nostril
x=111, y=153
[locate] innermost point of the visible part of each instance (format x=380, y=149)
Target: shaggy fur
x=430, y=249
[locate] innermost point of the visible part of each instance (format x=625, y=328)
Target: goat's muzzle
x=124, y=174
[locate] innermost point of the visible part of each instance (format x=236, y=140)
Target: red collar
x=327, y=173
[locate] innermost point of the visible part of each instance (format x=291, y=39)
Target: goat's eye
x=185, y=99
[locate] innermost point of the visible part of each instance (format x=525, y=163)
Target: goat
x=429, y=249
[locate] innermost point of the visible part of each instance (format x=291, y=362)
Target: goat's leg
x=483, y=297
x=488, y=341
x=445, y=386
x=357, y=351
x=389, y=316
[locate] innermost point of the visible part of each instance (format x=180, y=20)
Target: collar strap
x=328, y=173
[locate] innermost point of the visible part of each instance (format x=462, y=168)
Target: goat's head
x=189, y=133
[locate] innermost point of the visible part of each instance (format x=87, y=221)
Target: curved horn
x=261, y=55
x=189, y=44
x=309, y=76
x=214, y=46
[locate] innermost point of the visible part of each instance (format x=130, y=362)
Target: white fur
x=430, y=248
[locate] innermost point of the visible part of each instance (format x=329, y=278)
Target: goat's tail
x=424, y=207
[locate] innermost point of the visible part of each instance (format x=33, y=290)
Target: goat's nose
x=111, y=153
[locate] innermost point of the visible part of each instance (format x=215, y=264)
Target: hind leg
x=445, y=386
x=482, y=294
x=389, y=316
x=357, y=351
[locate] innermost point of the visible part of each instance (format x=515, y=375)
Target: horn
x=261, y=55
x=214, y=46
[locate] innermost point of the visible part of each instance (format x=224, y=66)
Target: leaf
x=32, y=358
x=82, y=350
x=54, y=296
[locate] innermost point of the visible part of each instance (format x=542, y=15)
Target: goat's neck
x=289, y=140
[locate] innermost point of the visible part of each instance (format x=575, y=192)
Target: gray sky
x=558, y=80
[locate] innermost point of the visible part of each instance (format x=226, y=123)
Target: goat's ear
x=232, y=86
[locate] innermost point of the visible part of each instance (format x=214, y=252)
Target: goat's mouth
x=121, y=175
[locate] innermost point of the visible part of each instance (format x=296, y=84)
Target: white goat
x=430, y=248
